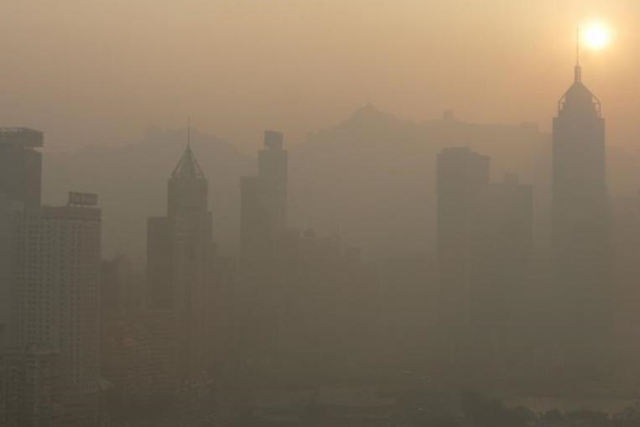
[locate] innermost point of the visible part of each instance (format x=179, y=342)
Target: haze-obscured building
x=262, y=224
x=21, y=165
x=462, y=176
x=501, y=240
x=29, y=388
x=485, y=238
x=580, y=221
x=51, y=288
x=180, y=255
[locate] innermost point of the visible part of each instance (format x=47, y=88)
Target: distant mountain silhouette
x=131, y=182
x=370, y=178
x=373, y=176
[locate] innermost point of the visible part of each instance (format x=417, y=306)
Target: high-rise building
x=462, y=176
x=264, y=203
x=58, y=299
x=501, y=238
x=50, y=276
x=257, y=235
x=29, y=388
x=10, y=214
x=53, y=297
x=262, y=225
x=179, y=258
x=21, y=165
x=580, y=226
x=121, y=288
x=273, y=171
x=139, y=358
x=485, y=234
x=58, y=288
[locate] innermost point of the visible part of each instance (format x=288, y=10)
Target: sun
x=596, y=36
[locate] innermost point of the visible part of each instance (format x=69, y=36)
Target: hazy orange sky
x=100, y=72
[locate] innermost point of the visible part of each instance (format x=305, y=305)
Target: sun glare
x=596, y=36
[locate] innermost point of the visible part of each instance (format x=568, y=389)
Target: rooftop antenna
x=189, y=132
x=578, y=46
x=578, y=69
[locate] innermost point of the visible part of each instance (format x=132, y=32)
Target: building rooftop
x=21, y=136
x=188, y=167
x=579, y=99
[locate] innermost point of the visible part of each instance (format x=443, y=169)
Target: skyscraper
x=580, y=224
x=21, y=165
x=500, y=249
x=179, y=260
x=484, y=246
x=11, y=213
x=264, y=202
x=49, y=280
x=58, y=294
x=29, y=388
x=58, y=288
x=262, y=225
x=273, y=171
x=462, y=175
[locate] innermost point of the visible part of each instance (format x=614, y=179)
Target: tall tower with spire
x=580, y=223
x=179, y=259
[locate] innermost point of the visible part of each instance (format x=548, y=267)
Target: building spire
x=578, y=68
x=188, y=167
x=189, y=132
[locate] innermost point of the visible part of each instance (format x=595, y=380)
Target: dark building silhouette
x=29, y=388
x=580, y=227
x=329, y=309
x=262, y=224
x=121, y=288
x=11, y=214
x=51, y=288
x=59, y=294
x=625, y=221
x=273, y=170
x=139, y=360
x=500, y=250
x=264, y=202
x=179, y=258
x=484, y=247
x=21, y=165
x=462, y=176
x=257, y=234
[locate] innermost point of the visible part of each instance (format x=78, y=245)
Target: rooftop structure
x=29, y=138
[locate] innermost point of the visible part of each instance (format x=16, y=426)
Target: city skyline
x=398, y=55
x=383, y=272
